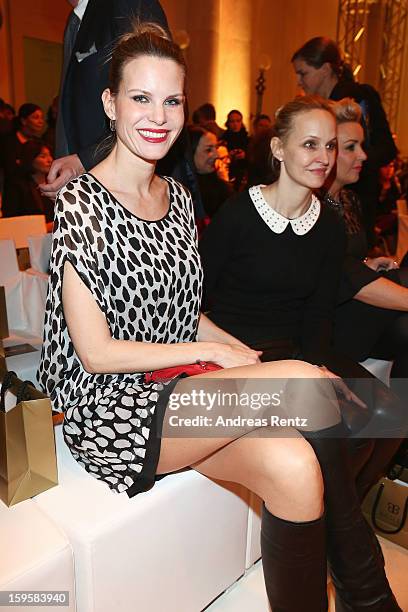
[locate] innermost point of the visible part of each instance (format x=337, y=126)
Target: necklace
x=336, y=204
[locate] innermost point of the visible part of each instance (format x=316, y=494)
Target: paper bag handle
x=374, y=511
x=22, y=389
x=6, y=384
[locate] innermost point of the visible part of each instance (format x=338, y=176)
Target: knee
x=312, y=398
x=298, y=478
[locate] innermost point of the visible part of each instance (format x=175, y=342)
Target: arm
x=355, y=276
x=384, y=293
x=319, y=310
x=210, y=332
x=100, y=353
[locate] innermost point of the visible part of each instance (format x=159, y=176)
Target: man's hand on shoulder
x=61, y=172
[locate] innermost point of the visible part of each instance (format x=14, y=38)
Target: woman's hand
x=233, y=355
x=341, y=387
x=381, y=263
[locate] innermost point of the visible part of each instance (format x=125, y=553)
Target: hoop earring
x=112, y=125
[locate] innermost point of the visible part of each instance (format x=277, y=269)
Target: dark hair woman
x=321, y=70
x=124, y=299
x=272, y=260
x=214, y=191
x=21, y=193
x=28, y=125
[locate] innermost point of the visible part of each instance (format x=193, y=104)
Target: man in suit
x=91, y=31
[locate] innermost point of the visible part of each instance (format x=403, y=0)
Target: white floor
x=248, y=594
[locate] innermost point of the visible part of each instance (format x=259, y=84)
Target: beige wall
x=279, y=28
x=44, y=19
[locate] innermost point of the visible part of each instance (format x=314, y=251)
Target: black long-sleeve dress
x=362, y=330
x=270, y=281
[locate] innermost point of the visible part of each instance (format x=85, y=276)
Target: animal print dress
x=146, y=278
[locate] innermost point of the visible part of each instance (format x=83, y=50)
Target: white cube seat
x=379, y=368
x=35, y=554
x=175, y=547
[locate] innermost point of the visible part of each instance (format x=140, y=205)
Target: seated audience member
x=206, y=116
x=262, y=123
x=21, y=193
x=29, y=125
x=236, y=138
x=321, y=70
x=371, y=319
x=272, y=258
x=214, y=191
x=223, y=162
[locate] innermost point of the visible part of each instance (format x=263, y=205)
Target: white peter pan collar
x=277, y=222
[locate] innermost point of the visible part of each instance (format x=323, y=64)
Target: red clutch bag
x=191, y=369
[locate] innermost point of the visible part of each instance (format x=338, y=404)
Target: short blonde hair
x=346, y=111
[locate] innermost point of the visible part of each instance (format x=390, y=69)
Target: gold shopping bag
x=28, y=463
x=386, y=509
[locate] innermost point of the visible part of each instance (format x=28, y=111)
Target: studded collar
x=277, y=222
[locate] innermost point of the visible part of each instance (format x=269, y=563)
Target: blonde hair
x=346, y=111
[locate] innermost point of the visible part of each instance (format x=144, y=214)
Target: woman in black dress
x=124, y=299
x=272, y=261
x=372, y=314
x=214, y=191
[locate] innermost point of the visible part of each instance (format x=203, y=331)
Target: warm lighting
x=359, y=34
x=182, y=39
x=383, y=73
x=357, y=70
x=264, y=61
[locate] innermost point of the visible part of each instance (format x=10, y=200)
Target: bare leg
x=283, y=472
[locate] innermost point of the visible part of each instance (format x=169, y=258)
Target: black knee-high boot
x=294, y=563
x=356, y=565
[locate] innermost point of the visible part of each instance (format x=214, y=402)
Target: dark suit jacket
x=87, y=74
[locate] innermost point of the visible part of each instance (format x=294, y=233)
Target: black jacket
x=104, y=21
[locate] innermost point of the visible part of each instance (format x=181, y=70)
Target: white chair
x=176, y=547
x=36, y=555
x=8, y=259
x=379, y=368
x=25, y=300
x=19, y=228
x=40, y=251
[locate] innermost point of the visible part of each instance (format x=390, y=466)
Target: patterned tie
x=71, y=31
